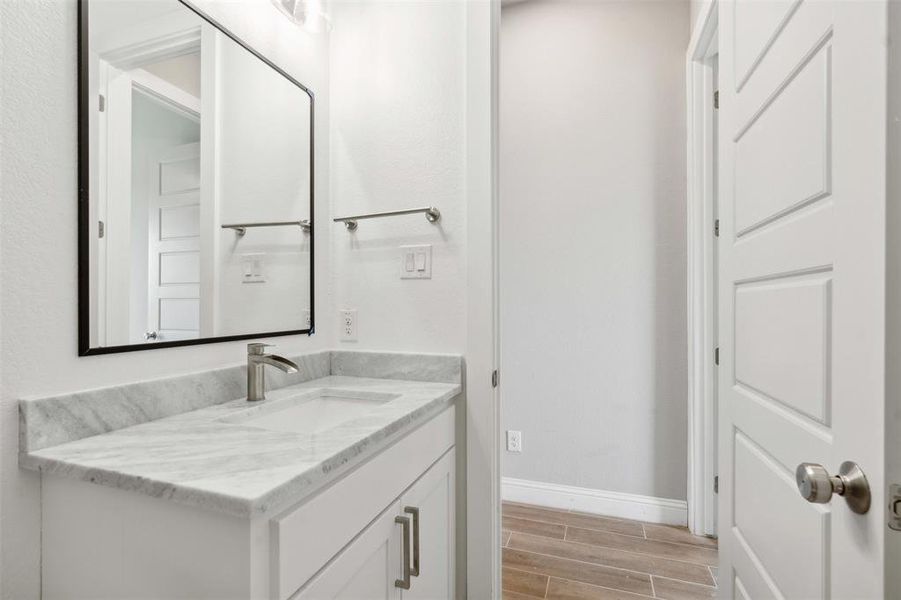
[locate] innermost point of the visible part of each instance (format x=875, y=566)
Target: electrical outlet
x=514, y=441
x=348, y=325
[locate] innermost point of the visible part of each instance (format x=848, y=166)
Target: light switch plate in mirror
x=205, y=151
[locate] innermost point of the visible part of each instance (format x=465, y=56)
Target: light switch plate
x=416, y=262
x=252, y=267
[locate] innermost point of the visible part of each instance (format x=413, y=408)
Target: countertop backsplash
x=50, y=421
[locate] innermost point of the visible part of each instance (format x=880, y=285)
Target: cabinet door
x=433, y=495
x=366, y=569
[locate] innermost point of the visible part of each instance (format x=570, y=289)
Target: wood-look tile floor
x=564, y=555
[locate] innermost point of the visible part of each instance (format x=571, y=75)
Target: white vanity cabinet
x=345, y=540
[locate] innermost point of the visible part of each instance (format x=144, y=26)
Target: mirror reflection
x=200, y=190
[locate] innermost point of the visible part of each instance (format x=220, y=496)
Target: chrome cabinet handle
x=151, y=335
x=404, y=583
x=415, y=512
x=817, y=486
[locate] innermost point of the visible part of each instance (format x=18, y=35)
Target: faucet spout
x=257, y=359
x=279, y=362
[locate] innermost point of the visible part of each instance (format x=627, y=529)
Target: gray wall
x=593, y=243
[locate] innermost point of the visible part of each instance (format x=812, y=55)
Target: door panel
x=758, y=516
x=782, y=342
x=179, y=221
x=802, y=285
x=179, y=314
x=179, y=267
x=173, y=285
x=787, y=140
x=180, y=175
x=756, y=25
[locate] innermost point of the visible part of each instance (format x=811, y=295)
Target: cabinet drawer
x=306, y=537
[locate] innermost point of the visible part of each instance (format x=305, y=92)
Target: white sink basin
x=312, y=413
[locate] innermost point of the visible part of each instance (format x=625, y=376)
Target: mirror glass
x=195, y=183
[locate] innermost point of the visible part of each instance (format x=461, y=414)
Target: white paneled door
x=802, y=293
x=173, y=284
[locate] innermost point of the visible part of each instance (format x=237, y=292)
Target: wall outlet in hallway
x=348, y=325
x=514, y=441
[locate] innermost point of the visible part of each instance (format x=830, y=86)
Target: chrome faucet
x=257, y=359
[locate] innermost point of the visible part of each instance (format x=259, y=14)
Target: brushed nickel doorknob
x=817, y=486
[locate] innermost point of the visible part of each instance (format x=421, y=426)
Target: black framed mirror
x=195, y=183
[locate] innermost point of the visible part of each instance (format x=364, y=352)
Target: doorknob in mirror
x=817, y=486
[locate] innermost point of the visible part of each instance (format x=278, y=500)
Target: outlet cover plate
x=514, y=441
x=347, y=325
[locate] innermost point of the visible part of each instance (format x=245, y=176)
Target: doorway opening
x=602, y=454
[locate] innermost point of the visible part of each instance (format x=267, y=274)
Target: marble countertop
x=209, y=459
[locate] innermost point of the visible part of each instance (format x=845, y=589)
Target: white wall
x=397, y=81
x=593, y=249
x=38, y=239
x=264, y=175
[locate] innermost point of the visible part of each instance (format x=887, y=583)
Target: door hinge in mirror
x=716, y=228
x=101, y=103
x=716, y=99
x=716, y=356
x=101, y=229
x=494, y=379
x=716, y=484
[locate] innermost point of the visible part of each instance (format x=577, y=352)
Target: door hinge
x=716, y=484
x=101, y=104
x=894, y=507
x=716, y=99
x=716, y=228
x=494, y=378
x=716, y=356
x=101, y=229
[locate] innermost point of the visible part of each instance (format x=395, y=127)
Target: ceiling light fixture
x=307, y=13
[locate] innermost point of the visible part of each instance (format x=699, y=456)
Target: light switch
x=252, y=267
x=416, y=262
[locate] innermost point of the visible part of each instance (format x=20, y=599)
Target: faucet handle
x=257, y=348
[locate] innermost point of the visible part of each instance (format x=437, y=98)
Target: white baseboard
x=599, y=502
